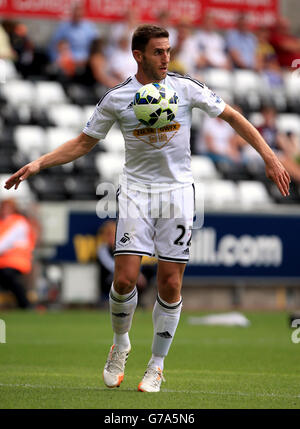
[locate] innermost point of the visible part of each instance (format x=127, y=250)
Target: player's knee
x=124, y=284
x=170, y=287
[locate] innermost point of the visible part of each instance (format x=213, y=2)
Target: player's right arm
x=65, y=153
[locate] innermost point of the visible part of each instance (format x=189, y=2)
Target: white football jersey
x=157, y=157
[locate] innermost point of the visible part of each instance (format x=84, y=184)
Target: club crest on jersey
x=125, y=240
x=157, y=137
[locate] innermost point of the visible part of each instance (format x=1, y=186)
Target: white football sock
x=165, y=318
x=122, y=308
x=157, y=361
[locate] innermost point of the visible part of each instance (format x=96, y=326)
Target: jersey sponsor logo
x=125, y=240
x=165, y=334
x=130, y=105
x=157, y=137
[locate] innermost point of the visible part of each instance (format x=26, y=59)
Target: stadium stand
x=30, y=140
x=109, y=166
x=203, y=168
x=29, y=130
x=220, y=194
x=66, y=115
x=252, y=194
x=38, y=113
x=47, y=93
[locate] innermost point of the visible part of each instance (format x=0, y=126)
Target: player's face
x=156, y=58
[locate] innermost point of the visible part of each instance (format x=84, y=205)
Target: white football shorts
x=155, y=224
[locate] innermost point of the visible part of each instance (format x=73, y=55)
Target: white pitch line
x=41, y=386
x=204, y=392
x=193, y=392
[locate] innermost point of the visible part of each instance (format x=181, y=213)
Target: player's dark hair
x=144, y=33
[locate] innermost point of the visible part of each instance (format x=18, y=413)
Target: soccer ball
x=155, y=105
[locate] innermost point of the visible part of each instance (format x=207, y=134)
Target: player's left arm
x=274, y=169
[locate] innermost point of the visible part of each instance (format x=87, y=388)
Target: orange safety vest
x=19, y=256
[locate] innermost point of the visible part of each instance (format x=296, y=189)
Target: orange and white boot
x=152, y=380
x=113, y=373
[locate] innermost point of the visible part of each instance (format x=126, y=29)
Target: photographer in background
x=17, y=242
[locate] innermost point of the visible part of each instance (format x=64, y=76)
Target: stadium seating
x=30, y=140
x=219, y=79
x=220, y=194
x=18, y=92
x=6, y=161
x=252, y=194
x=81, y=188
x=55, y=136
x=289, y=122
x=8, y=71
x=37, y=117
x=247, y=89
x=203, y=168
x=49, y=190
x=292, y=89
x=109, y=166
x=114, y=141
x=222, y=82
x=66, y=115
x=87, y=112
x=23, y=194
x=47, y=93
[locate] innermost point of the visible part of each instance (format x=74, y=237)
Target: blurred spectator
x=126, y=27
x=163, y=20
x=121, y=61
x=267, y=61
x=17, y=242
x=184, y=55
x=6, y=50
x=65, y=60
x=286, y=45
x=286, y=146
x=242, y=45
x=96, y=71
x=218, y=141
x=212, y=45
x=29, y=59
x=78, y=32
x=264, y=48
x=64, y=67
x=272, y=73
x=106, y=261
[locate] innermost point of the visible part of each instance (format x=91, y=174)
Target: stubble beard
x=150, y=72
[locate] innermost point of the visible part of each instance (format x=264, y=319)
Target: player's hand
x=27, y=171
x=278, y=174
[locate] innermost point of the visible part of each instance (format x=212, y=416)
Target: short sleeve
x=205, y=99
x=101, y=120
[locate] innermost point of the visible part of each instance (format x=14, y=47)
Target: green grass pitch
x=55, y=360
